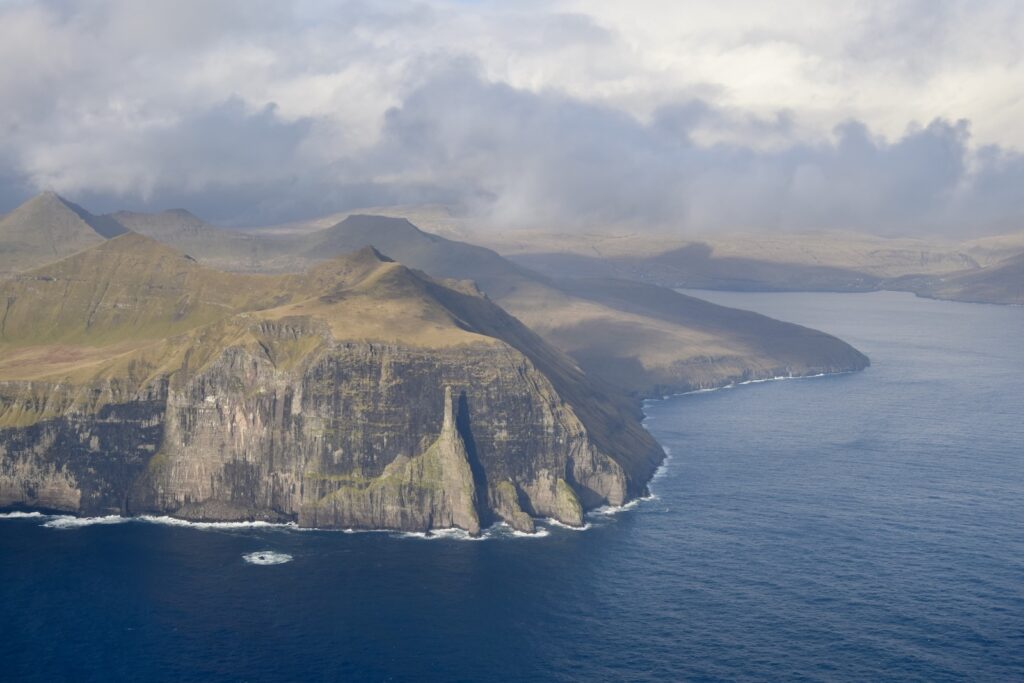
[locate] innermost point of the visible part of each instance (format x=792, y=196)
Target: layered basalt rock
x=359, y=395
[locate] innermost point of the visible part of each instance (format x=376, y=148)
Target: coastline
x=499, y=530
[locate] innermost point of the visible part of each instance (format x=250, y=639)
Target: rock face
x=359, y=395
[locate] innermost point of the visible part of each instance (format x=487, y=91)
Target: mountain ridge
x=46, y=228
x=313, y=397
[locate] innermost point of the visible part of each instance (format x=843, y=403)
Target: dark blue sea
x=859, y=527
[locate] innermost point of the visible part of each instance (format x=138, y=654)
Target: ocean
x=867, y=526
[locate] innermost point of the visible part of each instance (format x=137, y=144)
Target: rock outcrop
x=358, y=395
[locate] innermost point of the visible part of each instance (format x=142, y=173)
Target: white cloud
x=688, y=114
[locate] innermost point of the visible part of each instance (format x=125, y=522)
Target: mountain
x=999, y=283
x=829, y=261
x=667, y=340
x=614, y=341
x=359, y=393
x=989, y=251
x=980, y=270
x=190, y=234
x=433, y=254
x=608, y=327
x=46, y=228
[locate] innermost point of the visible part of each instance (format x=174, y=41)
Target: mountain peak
x=48, y=227
x=370, y=252
x=182, y=213
x=368, y=223
x=46, y=198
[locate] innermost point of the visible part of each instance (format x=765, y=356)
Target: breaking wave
x=267, y=557
x=499, y=530
x=70, y=522
x=551, y=521
x=174, y=521
x=733, y=385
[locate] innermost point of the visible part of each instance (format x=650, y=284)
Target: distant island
x=985, y=270
x=364, y=375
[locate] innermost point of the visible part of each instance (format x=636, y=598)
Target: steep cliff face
x=359, y=395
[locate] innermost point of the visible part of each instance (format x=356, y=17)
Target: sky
x=895, y=118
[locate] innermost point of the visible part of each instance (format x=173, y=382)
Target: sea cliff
x=360, y=395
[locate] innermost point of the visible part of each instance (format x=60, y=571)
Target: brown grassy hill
x=979, y=270
x=606, y=327
x=999, y=283
x=47, y=228
x=615, y=338
x=186, y=232
x=988, y=251
x=785, y=262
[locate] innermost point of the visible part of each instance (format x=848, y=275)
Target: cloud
x=671, y=115
x=548, y=160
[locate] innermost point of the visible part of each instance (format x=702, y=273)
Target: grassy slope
x=614, y=337
x=132, y=293
x=1000, y=283
x=976, y=270
x=609, y=330
x=47, y=228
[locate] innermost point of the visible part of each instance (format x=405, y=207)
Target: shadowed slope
x=430, y=253
x=611, y=330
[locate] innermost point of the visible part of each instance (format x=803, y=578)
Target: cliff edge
x=359, y=394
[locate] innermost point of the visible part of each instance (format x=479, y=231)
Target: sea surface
x=848, y=528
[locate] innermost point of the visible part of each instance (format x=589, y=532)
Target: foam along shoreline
x=72, y=522
x=733, y=385
x=498, y=530
x=67, y=522
x=495, y=531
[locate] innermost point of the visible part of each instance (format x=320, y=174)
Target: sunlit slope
x=47, y=228
x=609, y=328
x=186, y=232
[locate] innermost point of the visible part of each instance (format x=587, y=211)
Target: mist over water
x=859, y=527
